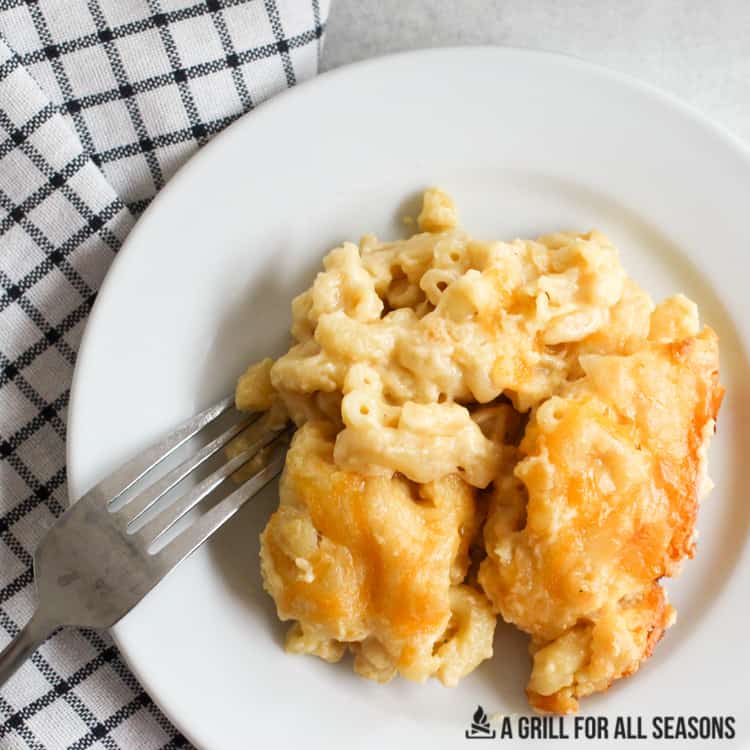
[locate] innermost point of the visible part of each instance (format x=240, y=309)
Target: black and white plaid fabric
x=100, y=102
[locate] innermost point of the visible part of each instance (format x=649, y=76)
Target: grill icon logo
x=480, y=726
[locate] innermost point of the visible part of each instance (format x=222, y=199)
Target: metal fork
x=97, y=562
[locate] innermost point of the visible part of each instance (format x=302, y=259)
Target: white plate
x=527, y=143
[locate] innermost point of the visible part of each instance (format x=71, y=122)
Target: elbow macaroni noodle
x=440, y=381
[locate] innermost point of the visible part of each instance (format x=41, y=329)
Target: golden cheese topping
x=376, y=565
x=602, y=504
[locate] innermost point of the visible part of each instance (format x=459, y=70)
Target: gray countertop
x=698, y=50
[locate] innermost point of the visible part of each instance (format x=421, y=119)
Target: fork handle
x=36, y=631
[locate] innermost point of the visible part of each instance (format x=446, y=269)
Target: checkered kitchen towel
x=100, y=102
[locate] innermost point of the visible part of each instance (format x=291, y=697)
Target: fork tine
x=140, y=503
x=129, y=473
x=192, y=538
x=163, y=521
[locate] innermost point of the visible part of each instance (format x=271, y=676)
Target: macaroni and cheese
x=485, y=428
